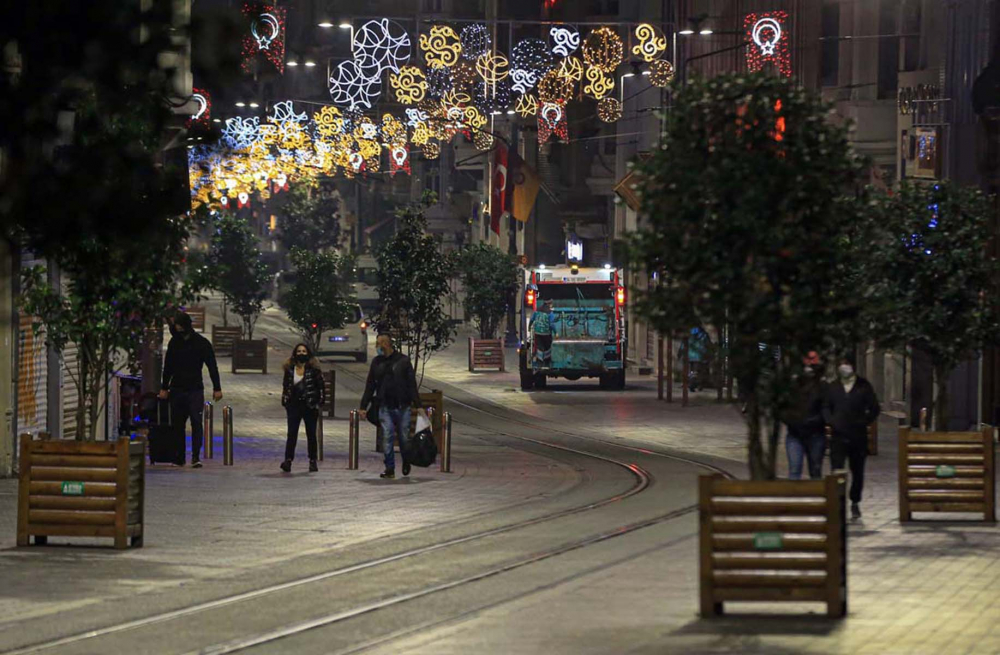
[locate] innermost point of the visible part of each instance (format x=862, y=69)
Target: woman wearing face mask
x=302, y=394
x=849, y=408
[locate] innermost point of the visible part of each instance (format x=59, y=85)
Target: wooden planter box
x=485, y=353
x=223, y=338
x=947, y=472
x=197, y=314
x=250, y=355
x=81, y=489
x=779, y=540
x=330, y=384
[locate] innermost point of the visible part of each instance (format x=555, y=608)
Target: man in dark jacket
x=393, y=383
x=849, y=407
x=187, y=353
x=804, y=419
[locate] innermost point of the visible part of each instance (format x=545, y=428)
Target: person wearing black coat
x=849, y=407
x=804, y=420
x=302, y=394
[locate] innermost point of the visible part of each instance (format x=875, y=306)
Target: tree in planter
x=935, y=277
x=236, y=270
x=310, y=218
x=413, y=280
x=319, y=300
x=490, y=279
x=110, y=299
x=749, y=203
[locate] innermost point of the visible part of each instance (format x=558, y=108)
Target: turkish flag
x=498, y=194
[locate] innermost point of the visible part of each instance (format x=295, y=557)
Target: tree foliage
x=236, y=270
x=935, y=276
x=749, y=205
x=489, y=276
x=110, y=298
x=320, y=299
x=413, y=280
x=310, y=218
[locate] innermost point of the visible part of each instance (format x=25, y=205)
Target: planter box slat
x=772, y=540
x=946, y=472
x=486, y=353
x=81, y=489
x=73, y=503
x=250, y=355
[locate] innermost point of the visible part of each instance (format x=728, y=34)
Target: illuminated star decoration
x=565, y=40
x=380, y=45
x=651, y=44
x=475, y=41
x=203, y=113
x=351, y=86
x=266, y=35
x=442, y=47
x=552, y=120
x=767, y=37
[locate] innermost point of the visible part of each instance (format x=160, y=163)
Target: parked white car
x=350, y=340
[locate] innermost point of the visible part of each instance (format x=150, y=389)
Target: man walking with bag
x=187, y=353
x=392, y=385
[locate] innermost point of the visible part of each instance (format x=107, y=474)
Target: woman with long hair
x=302, y=394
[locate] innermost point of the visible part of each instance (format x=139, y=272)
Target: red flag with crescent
x=498, y=193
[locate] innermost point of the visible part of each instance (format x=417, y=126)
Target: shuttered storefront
x=31, y=367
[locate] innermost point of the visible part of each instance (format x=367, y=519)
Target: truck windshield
x=574, y=292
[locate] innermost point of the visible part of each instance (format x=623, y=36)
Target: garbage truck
x=573, y=325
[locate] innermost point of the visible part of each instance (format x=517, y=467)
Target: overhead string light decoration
x=527, y=105
x=483, y=141
x=492, y=97
x=439, y=81
x=532, y=56
x=463, y=76
x=265, y=36
x=410, y=85
x=432, y=150
x=571, y=68
x=661, y=72
x=651, y=42
x=475, y=40
x=381, y=45
x=598, y=84
x=609, y=109
x=492, y=67
x=603, y=49
x=554, y=88
x=552, y=120
x=767, y=41
x=442, y=47
x=565, y=40
x=352, y=86
x=329, y=122
x=203, y=112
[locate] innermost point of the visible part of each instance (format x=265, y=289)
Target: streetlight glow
x=705, y=32
x=345, y=26
x=254, y=105
x=687, y=32
x=292, y=63
x=310, y=64
x=241, y=104
x=325, y=24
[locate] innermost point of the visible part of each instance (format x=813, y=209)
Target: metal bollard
x=209, y=429
x=923, y=419
x=227, y=436
x=319, y=435
x=446, y=444
x=353, y=428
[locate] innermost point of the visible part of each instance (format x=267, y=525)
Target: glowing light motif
x=380, y=45
x=203, y=114
x=438, y=81
x=351, y=86
x=552, y=120
x=432, y=150
x=522, y=80
x=527, y=105
x=442, y=47
x=421, y=134
x=554, y=88
x=492, y=97
x=492, y=67
x=533, y=56
x=410, y=85
x=603, y=49
x=571, y=68
x=565, y=40
x=483, y=141
x=660, y=72
x=609, y=110
x=769, y=41
x=328, y=121
x=598, y=84
x=475, y=41
x=399, y=160
x=651, y=44
x=241, y=133
x=463, y=76
x=266, y=37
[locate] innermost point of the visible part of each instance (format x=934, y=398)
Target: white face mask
x=845, y=370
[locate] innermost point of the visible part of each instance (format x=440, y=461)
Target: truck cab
x=573, y=325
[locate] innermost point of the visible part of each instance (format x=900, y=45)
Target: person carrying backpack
x=392, y=386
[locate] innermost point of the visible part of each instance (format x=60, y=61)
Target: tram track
x=642, y=481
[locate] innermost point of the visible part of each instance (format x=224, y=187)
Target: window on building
x=888, y=49
x=830, y=45
x=910, y=24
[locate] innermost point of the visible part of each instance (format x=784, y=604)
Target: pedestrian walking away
x=804, y=438
x=392, y=388
x=187, y=354
x=849, y=407
x=302, y=394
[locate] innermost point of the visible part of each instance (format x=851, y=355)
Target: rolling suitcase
x=166, y=440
